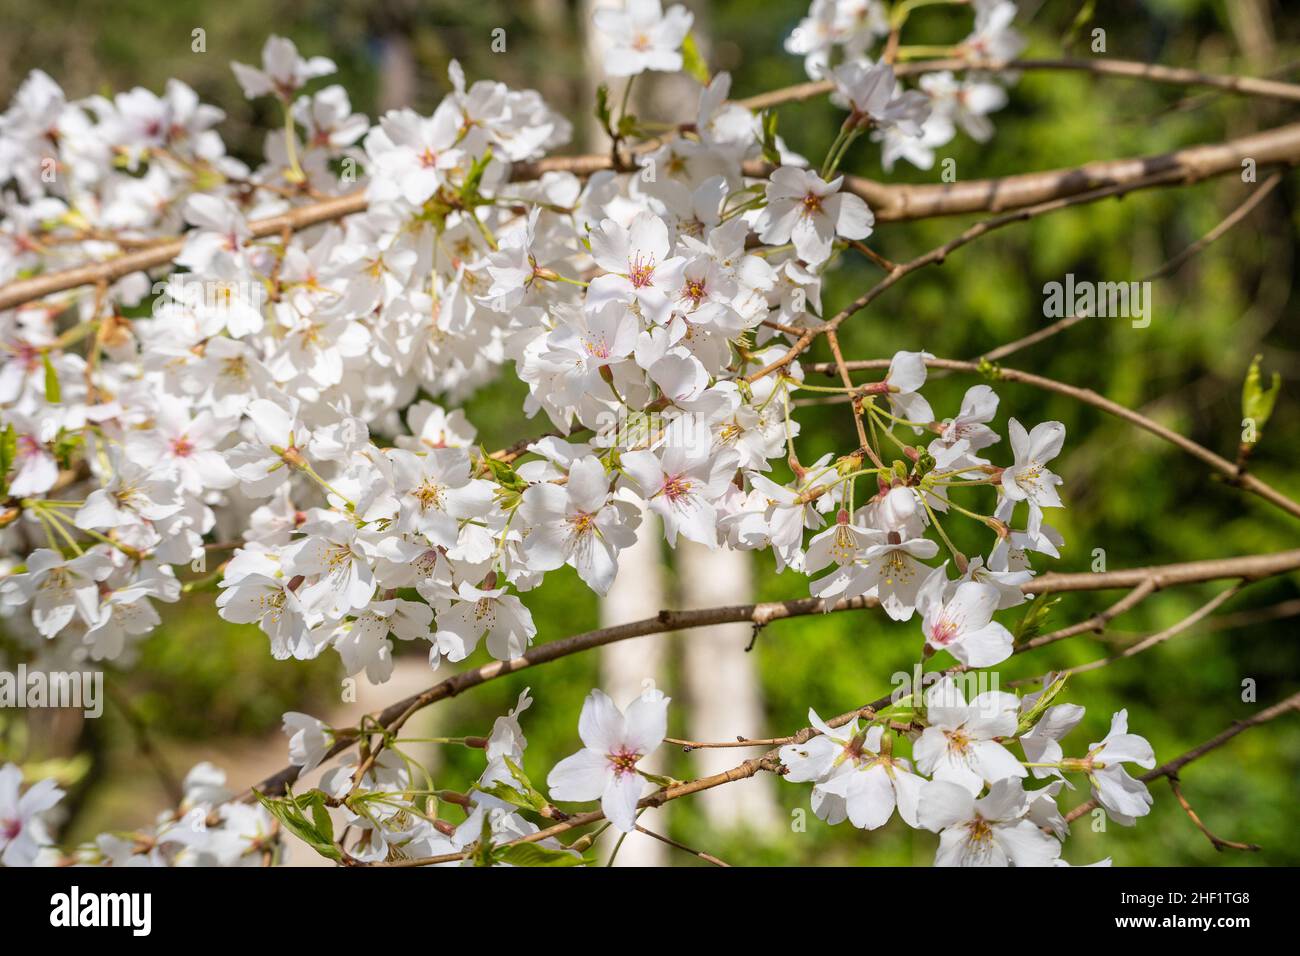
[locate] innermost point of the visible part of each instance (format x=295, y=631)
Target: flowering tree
x=275, y=421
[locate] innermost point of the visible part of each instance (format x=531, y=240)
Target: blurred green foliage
x=1140, y=501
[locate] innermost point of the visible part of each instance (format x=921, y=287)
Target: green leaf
x=530, y=854
x=1256, y=401
x=525, y=795
x=522, y=778
x=318, y=832
x=692, y=62
x=627, y=126
x=1034, y=618
x=770, y=151
x=469, y=190
x=320, y=817
x=1049, y=694
x=503, y=474
x=8, y=454
x=503, y=791
x=603, y=112
x=53, y=394
x=485, y=850
x=1081, y=20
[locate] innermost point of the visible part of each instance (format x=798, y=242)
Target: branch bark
x=1132, y=69
x=1231, y=474
x=1251, y=567
x=890, y=203
x=770, y=761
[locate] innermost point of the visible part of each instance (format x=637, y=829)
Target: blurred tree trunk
x=629, y=667
x=396, y=72
x=723, y=688
x=640, y=588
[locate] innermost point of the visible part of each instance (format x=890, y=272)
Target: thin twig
x=1147, y=643
x=707, y=857
x=1250, y=567
x=1231, y=475
x=1168, y=268
x=1219, y=843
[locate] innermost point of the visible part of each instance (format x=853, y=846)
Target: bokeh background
x=207, y=690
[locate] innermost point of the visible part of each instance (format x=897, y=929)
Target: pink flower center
x=676, y=486
x=624, y=761
x=944, y=631
x=641, y=271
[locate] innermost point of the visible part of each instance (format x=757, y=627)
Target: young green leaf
x=53, y=394
x=693, y=62
x=1256, y=401
x=530, y=854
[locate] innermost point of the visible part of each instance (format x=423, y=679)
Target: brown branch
x=663, y=622
x=863, y=444
x=1171, y=266
x=939, y=255
x=1250, y=567
x=895, y=203
x=689, y=745
x=890, y=203
x=1146, y=643
x=1218, y=843
x=1178, y=76
x=707, y=857
x=1227, y=469
x=1273, y=612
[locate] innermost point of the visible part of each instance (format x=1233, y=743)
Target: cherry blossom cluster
x=208, y=828
x=962, y=781
x=274, y=418
x=387, y=805
x=637, y=306
x=835, y=40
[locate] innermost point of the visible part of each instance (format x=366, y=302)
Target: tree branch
x=1178, y=76
x=1250, y=567
x=770, y=762
x=1171, y=266
x=890, y=203
x=1227, y=469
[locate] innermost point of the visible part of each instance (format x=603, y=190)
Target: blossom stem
x=294, y=173
x=957, y=556
x=926, y=52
